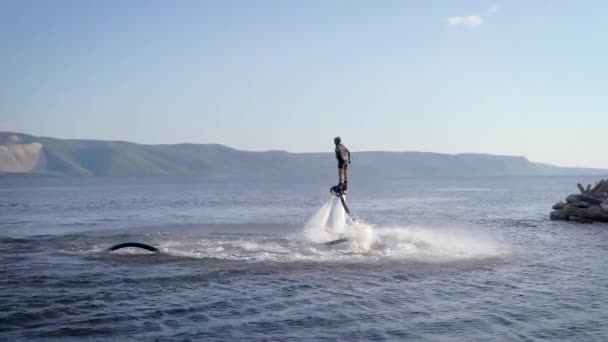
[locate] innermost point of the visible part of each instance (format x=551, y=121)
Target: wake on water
x=330, y=222
x=424, y=244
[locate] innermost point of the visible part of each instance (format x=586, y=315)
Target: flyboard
x=135, y=245
x=337, y=191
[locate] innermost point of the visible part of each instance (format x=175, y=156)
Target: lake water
x=463, y=259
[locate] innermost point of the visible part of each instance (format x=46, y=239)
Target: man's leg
x=345, y=171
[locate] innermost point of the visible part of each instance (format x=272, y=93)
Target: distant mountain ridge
x=22, y=153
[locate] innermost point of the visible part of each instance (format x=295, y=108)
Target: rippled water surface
x=469, y=259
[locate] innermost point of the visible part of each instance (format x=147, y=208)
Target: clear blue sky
x=512, y=77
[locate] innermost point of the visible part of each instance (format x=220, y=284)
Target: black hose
x=133, y=244
x=335, y=242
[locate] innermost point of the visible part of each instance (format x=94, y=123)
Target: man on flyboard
x=343, y=157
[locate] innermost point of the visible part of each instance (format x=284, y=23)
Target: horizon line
x=308, y=152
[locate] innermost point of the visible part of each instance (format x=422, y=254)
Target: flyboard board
x=336, y=191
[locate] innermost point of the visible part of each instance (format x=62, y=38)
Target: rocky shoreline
x=591, y=205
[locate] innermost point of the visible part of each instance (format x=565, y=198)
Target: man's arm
x=348, y=151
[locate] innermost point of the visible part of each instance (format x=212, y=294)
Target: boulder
x=573, y=198
x=597, y=213
x=558, y=215
x=580, y=204
x=580, y=188
x=589, y=206
x=579, y=219
x=590, y=199
x=594, y=212
x=600, y=189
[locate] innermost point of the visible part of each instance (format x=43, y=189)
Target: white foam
x=437, y=244
x=366, y=242
x=338, y=217
x=432, y=244
x=362, y=236
x=316, y=229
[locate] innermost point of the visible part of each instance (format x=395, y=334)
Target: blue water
x=464, y=259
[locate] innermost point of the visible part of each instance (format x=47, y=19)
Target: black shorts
x=342, y=165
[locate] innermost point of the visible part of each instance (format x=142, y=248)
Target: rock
x=16, y=157
x=597, y=213
x=580, y=204
x=573, y=198
x=601, y=188
x=590, y=206
x=558, y=215
x=591, y=199
x=580, y=188
x=594, y=212
x=580, y=219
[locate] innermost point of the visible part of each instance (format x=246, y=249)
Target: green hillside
x=119, y=158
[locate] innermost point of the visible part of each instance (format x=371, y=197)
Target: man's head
x=337, y=140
